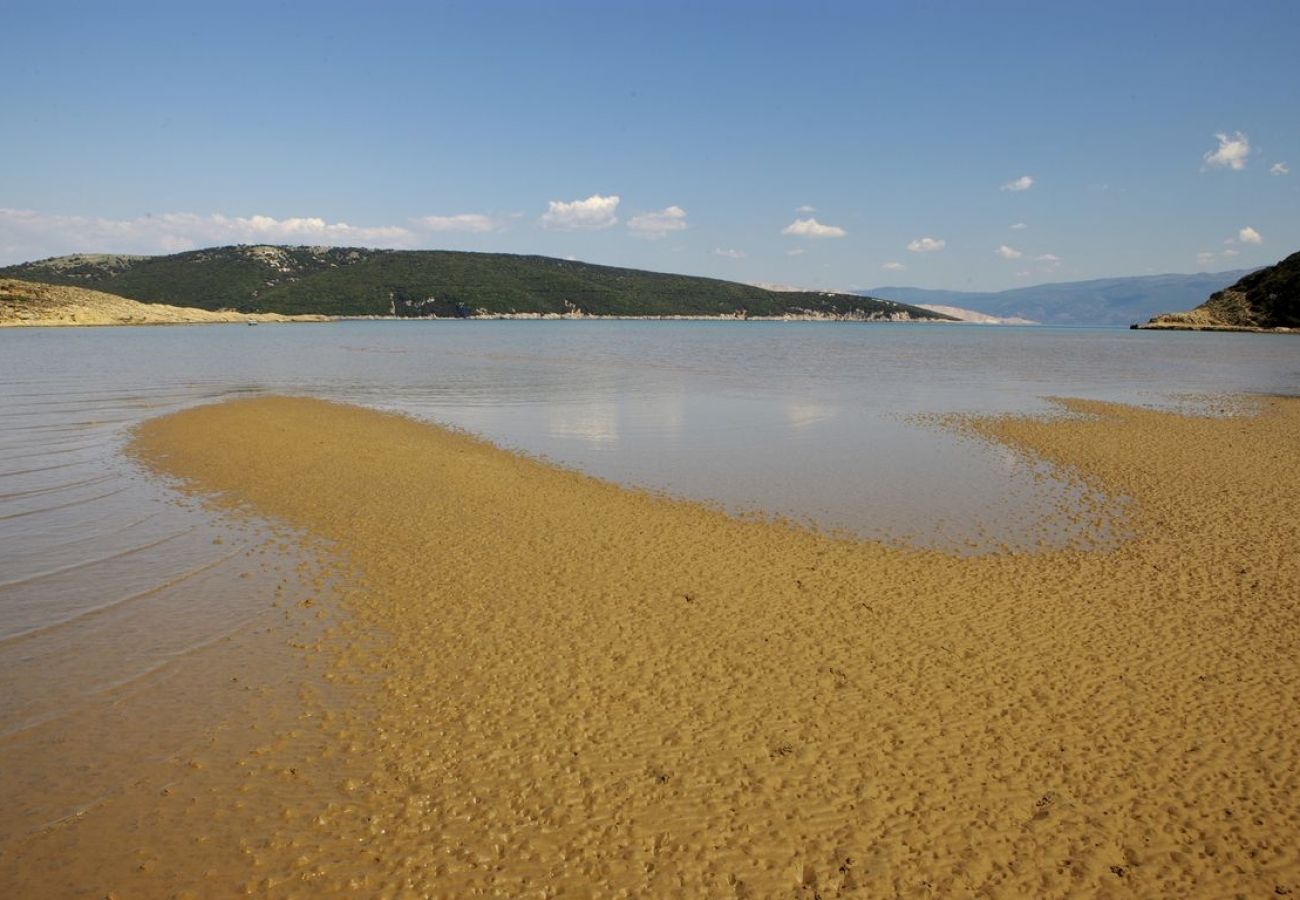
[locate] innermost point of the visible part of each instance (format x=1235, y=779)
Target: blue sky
x=687, y=137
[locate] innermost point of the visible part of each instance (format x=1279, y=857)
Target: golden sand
x=559, y=686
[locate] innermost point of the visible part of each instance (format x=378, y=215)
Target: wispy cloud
x=927, y=245
x=1279, y=168
x=28, y=234
x=1231, y=252
x=1048, y=258
x=1019, y=226
x=471, y=223
x=1231, y=152
x=654, y=225
x=729, y=254
x=1205, y=257
x=1023, y=183
x=1009, y=252
x=592, y=214
x=893, y=267
x=806, y=209
x=1249, y=235
x=796, y=251
x=811, y=228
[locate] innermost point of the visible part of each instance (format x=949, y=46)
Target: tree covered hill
x=358, y=281
x=1266, y=298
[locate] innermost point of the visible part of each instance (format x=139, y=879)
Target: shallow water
x=106, y=581
x=812, y=421
x=116, y=600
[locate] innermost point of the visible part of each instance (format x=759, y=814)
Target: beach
x=32, y=305
x=537, y=683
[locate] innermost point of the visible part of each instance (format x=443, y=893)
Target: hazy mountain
x=1101, y=301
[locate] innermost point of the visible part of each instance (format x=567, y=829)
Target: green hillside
x=355, y=281
x=1267, y=298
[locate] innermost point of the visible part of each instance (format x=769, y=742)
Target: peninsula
x=32, y=304
x=351, y=281
x=1265, y=300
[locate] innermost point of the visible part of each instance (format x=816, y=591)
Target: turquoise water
x=813, y=421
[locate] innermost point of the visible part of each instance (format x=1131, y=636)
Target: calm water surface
x=809, y=420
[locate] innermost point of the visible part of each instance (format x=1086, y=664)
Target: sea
x=108, y=575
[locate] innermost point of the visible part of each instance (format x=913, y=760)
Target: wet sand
x=557, y=686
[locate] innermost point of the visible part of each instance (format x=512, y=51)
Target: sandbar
x=561, y=686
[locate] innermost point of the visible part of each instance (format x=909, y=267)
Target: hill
x=1266, y=299
x=1098, y=302
x=29, y=303
x=358, y=281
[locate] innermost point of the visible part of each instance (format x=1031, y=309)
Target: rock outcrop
x=1266, y=300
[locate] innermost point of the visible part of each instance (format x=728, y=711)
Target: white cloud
x=1048, y=258
x=472, y=223
x=1009, y=252
x=1231, y=252
x=729, y=254
x=927, y=245
x=1024, y=273
x=654, y=225
x=1204, y=257
x=811, y=228
x=893, y=266
x=592, y=214
x=1279, y=168
x=1232, y=152
x=1023, y=183
x=27, y=234
x=1019, y=226
x=1249, y=235
x=806, y=209
x=797, y=251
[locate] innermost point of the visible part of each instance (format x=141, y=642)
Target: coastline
x=1194, y=326
x=579, y=317
x=26, y=304
x=184, y=318
x=566, y=684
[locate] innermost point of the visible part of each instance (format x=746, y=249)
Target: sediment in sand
x=565, y=685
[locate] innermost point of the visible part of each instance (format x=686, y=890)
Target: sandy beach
x=30, y=304
x=535, y=683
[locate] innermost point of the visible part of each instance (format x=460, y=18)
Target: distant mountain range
x=353, y=281
x=1101, y=301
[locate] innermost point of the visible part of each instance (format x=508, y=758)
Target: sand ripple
x=560, y=686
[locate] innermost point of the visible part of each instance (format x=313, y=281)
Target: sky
x=956, y=145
